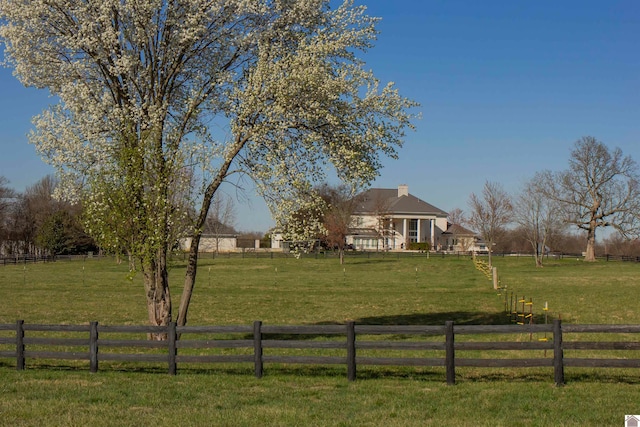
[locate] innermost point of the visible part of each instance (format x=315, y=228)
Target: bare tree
x=537, y=216
x=618, y=245
x=19, y=220
x=51, y=225
x=341, y=202
x=568, y=242
x=36, y=223
x=6, y=199
x=513, y=240
x=457, y=216
x=600, y=189
x=19, y=234
x=39, y=208
x=490, y=213
x=384, y=223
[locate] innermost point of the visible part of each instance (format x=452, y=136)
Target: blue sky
x=505, y=86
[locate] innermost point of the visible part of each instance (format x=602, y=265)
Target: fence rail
x=351, y=345
x=266, y=253
x=34, y=259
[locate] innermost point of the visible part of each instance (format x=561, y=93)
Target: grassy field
x=307, y=291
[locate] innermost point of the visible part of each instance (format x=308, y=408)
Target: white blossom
x=144, y=85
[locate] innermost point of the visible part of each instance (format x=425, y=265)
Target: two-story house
x=390, y=219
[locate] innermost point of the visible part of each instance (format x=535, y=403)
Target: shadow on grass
x=545, y=375
x=602, y=375
x=437, y=319
x=458, y=317
x=429, y=319
x=247, y=370
x=354, y=261
x=426, y=374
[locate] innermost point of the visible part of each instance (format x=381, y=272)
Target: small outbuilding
x=210, y=243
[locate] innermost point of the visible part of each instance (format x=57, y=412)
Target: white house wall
x=429, y=228
x=211, y=244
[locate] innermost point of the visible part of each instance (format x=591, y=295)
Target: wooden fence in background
x=266, y=253
x=353, y=345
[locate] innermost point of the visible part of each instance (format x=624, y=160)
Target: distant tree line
x=34, y=222
x=37, y=223
x=557, y=211
x=600, y=190
x=554, y=212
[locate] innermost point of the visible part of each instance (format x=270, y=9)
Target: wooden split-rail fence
x=351, y=344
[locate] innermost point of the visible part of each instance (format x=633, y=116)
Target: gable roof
x=214, y=227
x=387, y=200
x=459, y=230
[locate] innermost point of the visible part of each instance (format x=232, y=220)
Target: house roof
x=218, y=236
x=213, y=227
x=388, y=200
x=363, y=232
x=459, y=230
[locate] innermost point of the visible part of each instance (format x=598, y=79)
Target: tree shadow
x=458, y=317
x=354, y=261
x=417, y=319
x=437, y=319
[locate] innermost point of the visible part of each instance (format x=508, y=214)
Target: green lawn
x=307, y=291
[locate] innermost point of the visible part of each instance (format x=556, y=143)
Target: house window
x=413, y=230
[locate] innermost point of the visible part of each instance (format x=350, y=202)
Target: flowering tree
x=146, y=85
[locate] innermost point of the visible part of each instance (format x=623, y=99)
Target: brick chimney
x=403, y=190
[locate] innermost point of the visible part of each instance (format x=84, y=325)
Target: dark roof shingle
x=378, y=200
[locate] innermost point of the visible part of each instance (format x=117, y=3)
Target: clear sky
x=505, y=86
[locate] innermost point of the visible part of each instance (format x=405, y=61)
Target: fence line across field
x=32, y=341
x=266, y=253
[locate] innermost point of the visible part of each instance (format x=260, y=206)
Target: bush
x=419, y=246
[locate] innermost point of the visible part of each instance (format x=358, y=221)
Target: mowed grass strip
x=375, y=290
x=72, y=398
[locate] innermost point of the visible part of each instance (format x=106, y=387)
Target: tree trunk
x=538, y=252
x=192, y=264
x=490, y=252
x=156, y=283
x=539, y=260
x=189, y=280
x=590, y=253
x=341, y=254
x=534, y=248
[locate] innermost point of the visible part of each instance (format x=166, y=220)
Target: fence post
x=171, y=338
x=20, y=345
x=257, y=348
x=93, y=347
x=558, y=362
x=351, y=351
x=450, y=358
